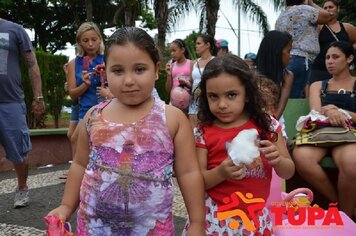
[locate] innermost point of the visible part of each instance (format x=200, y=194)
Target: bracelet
x=345, y=113
x=38, y=99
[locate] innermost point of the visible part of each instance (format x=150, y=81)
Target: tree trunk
x=89, y=10
x=161, y=15
x=130, y=16
x=212, y=9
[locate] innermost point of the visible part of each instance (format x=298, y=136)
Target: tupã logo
x=230, y=210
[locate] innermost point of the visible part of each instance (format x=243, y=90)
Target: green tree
x=52, y=24
x=167, y=13
x=55, y=22
x=208, y=11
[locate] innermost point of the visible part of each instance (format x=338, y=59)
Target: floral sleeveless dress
x=127, y=187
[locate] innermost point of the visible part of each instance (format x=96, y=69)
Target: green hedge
x=161, y=85
x=53, y=79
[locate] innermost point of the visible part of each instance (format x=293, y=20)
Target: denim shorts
x=14, y=133
x=74, y=116
x=301, y=68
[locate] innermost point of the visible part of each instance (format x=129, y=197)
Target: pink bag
x=55, y=227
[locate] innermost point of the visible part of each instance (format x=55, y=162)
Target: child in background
x=179, y=68
x=122, y=172
x=222, y=46
x=230, y=102
x=270, y=93
x=82, y=83
x=272, y=60
x=250, y=59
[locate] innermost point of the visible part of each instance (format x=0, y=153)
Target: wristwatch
x=38, y=99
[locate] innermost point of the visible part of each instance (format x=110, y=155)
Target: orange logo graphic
x=230, y=210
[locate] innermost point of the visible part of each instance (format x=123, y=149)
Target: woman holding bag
x=332, y=98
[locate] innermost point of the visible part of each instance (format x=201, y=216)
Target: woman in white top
x=205, y=47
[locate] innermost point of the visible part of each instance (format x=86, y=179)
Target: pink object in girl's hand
x=86, y=62
x=55, y=227
x=180, y=97
x=100, y=71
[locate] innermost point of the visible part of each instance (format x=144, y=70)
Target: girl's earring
x=352, y=66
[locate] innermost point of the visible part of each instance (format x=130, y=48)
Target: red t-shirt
x=258, y=174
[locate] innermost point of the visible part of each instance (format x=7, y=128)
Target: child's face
x=286, y=54
x=176, y=52
x=131, y=74
x=226, y=97
x=90, y=41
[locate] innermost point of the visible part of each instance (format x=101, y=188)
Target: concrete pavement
x=46, y=190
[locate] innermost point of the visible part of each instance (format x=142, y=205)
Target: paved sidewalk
x=46, y=190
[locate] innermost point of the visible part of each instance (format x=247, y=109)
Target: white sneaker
x=22, y=198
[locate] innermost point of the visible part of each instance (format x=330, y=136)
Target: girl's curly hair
x=236, y=66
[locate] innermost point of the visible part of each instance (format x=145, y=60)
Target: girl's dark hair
x=235, y=66
x=346, y=48
x=180, y=43
x=294, y=2
x=137, y=37
x=335, y=2
x=269, y=56
x=209, y=39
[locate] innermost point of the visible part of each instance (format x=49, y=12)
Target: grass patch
x=63, y=121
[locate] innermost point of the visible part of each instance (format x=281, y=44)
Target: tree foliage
x=55, y=22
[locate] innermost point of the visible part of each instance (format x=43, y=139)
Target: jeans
x=301, y=68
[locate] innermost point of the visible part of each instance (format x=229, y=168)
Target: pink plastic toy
x=180, y=97
x=300, y=197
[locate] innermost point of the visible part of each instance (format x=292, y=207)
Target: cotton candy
x=243, y=148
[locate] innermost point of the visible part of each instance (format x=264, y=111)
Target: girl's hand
x=63, y=212
x=196, y=229
x=168, y=67
x=229, y=170
x=86, y=77
x=270, y=151
x=184, y=82
x=104, y=92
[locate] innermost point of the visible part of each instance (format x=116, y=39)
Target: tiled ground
x=46, y=190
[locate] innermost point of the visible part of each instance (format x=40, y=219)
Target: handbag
x=326, y=136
